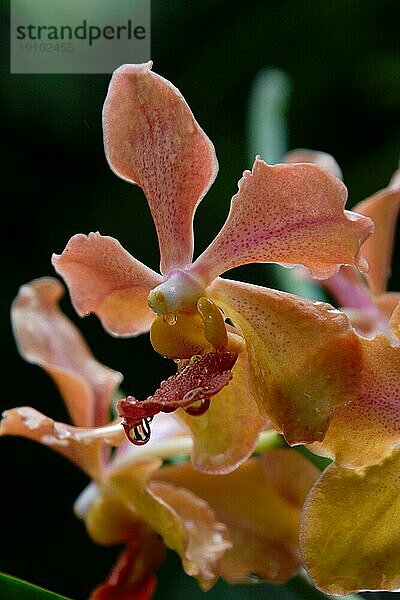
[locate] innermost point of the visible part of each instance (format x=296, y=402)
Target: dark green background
x=343, y=59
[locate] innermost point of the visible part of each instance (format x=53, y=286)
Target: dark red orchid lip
x=202, y=377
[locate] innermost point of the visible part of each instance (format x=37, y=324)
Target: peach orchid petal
x=322, y=159
x=227, y=433
x=366, y=429
x=152, y=139
x=186, y=523
x=105, y=279
x=46, y=337
x=304, y=356
x=83, y=446
x=383, y=209
x=261, y=506
x=290, y=214
x=351, y=528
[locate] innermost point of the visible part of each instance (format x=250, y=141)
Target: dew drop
x=170, y=319
x=254, y=578
x=199, y=408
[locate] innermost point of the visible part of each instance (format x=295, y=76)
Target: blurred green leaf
x=289, y=281
x=12, y=588
x=267, y=118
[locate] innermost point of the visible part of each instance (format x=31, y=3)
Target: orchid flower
x=350, y=527
x=234, y=527
x=286, y=359
x=46, y=337
x=243, y=526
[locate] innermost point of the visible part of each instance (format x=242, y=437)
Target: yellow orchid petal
x=179, y=336
x=110, y=521
x=261, y=504
x=186, y=523
x=351, y=528
x=227, y=433
x=214, y=324
x=304, y=357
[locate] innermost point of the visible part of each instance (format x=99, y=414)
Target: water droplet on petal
x=170, y=319
x=198, y=409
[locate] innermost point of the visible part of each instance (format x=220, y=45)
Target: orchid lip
x=179, y=291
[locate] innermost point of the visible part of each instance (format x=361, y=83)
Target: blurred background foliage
x=343, y=62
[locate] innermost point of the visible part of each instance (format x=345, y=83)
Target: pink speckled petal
x=291, y=214
x=351, y=528
x=324, y=160
x=45, y=337
x=83, y=446
x=227, y=433
x=366, y=429
x=304, y=357
x=383, y=209
x=369, y=314
x=105, y=279
x=379, y=318
x=348, y=288
x=152, y=139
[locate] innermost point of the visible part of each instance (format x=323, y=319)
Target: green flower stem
x=179, y=448
x=170, y=448
x=269, y=440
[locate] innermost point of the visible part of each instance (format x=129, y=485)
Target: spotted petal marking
x=152, y=138
x=291, y=214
